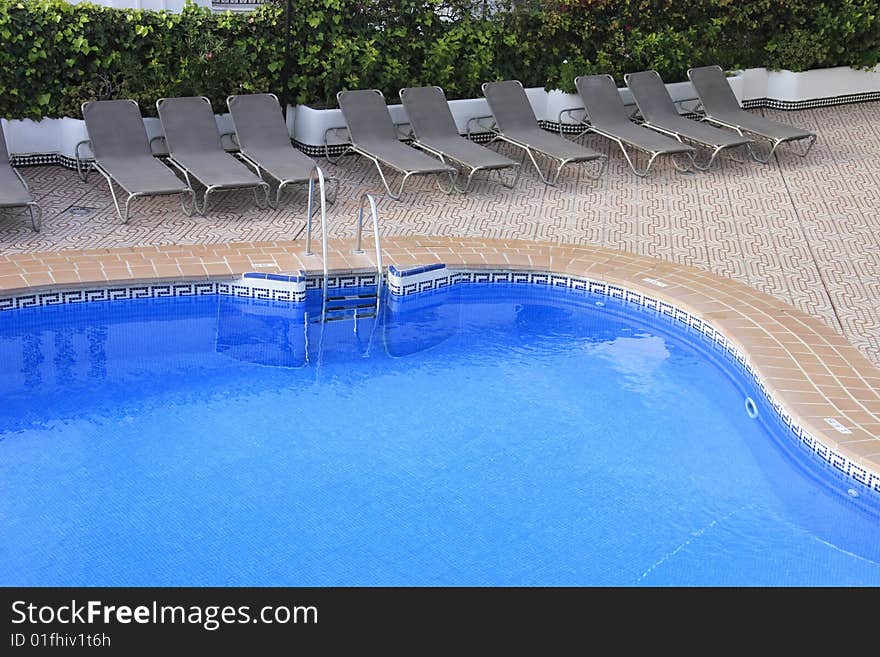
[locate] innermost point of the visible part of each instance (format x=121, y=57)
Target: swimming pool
x=479, y=435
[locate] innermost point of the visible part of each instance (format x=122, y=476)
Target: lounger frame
x=353, y=147
x=530, y=151
x=621, y=142
x=33, y=209
x=124, y=212
x=472, y=170
x=715, y=149
x=745, y=132
x=262, y=171
x=217, y=187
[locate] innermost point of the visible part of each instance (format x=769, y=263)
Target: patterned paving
x=806, y=231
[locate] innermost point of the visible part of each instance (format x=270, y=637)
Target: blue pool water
x=505, y=435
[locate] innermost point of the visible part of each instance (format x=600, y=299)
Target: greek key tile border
x=342, y=281
x=237, y=288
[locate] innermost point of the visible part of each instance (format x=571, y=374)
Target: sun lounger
x=119, y=144
x=722, y=108
x=435, y=132
x=374, y=135
x=14, y=192
x=262, y=136
x=194, y=147
x=659, y=113
x=516, y=124
x=609, y=117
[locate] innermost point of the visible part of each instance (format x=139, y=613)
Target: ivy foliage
x=56, y=55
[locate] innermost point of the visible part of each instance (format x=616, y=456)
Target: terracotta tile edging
x=808, y=368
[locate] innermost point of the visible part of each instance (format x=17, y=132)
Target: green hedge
x=56, y=55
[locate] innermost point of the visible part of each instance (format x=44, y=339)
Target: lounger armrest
x=404, y=130
x=231, y=138
x=682, y=107
x=78, y=149
x=477, y=121
x=570, y=112
x=337, y=128
x=21, y=179
x=159, y=150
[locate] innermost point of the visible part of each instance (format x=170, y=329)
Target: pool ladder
x=361, y=305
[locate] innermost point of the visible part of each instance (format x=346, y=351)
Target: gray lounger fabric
x=435, y=131
x=374, y=135
x=122, y=152
x=722, y=108
x=194, y=146
x=265, y=142
x=659, y=112
x=609, y=117
x=517, y=124
x=14, y=192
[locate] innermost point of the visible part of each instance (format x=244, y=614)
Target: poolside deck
x=806, y=231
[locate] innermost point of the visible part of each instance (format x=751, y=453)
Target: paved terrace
x=806, y=231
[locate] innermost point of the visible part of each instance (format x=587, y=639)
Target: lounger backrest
x=601, y=99
x=510, y=105
x=189, y=125
x=4, y=153
x=428, y=112
x=115, y=128
x=713, y=89
x=259, y=123
x=651, y=95
x=367, y=116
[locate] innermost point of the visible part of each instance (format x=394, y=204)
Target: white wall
x=170, y=5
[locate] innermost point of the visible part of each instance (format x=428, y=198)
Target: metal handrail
x=317, y=173
x=357, y=250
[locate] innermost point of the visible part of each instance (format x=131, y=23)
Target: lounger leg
x=393, y=195
x=36, y=216
x=603, y=164
x=511, y=185
x=453, y=177
x=640, y=174
x=705, y=167
x=777, y=143
x=82, y=170
x=189, y=209
x=336, y=160
x=399, y=189
x=266, y=204
x=204, y=207
x=454, y=181
x=736, y=159
x=35, y=222
x=809, y=147
x=552, y=183
x=685, y=169
x=757, y=157
x=115, y=200
x=127, y=204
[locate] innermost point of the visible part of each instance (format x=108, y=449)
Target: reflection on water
x=637, y=358
x=262, y=334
